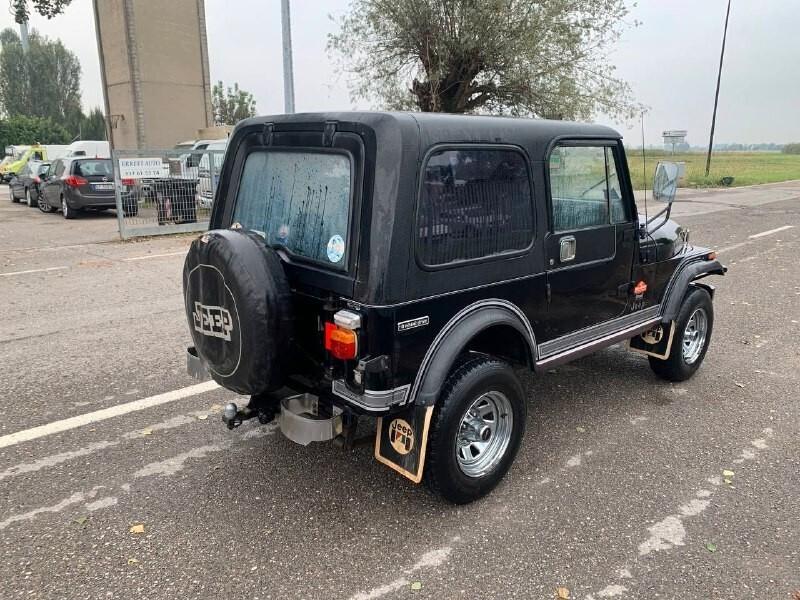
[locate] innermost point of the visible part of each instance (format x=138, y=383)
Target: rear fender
x=454, y=338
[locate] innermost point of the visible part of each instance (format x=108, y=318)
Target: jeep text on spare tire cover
x=215, y=319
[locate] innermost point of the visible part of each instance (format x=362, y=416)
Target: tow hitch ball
x=233, y=416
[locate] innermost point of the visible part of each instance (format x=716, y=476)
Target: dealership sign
x=138, y=168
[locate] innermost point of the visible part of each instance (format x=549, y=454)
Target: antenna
x=644, y=170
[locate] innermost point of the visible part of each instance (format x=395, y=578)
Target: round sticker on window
x=335, y=249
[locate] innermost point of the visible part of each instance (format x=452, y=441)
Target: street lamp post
x=288, y=75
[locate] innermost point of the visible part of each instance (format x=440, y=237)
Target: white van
x=208, y=177
x=91, y=148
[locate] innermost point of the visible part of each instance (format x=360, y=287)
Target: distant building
x=154, y=64
x=675, y=139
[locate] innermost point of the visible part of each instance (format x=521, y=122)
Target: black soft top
x=434, y=128
x=395, y=146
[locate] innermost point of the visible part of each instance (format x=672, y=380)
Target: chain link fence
x=164, y=191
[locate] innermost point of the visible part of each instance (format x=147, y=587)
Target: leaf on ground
x=727, y=474
x=202, y=417
x=138, y=528
x=796, y=595
x=728, y=481
x=580, y=429
x=81, y=520
x=562, y=593
x=711, y=547
x=147, y=432
x=416, y=585
x=741, y=385
x=133, y=561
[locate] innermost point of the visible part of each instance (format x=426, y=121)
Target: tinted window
x=585, y=188
x=58, y=168
x=89, y=168
x=298, y=200
x=474, y=203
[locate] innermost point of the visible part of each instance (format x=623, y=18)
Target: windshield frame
x=351, y=247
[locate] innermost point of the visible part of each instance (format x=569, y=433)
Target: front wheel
x=691, y=339
x=476, y=430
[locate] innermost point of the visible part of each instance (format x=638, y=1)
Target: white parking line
x=33, y=271
x=105, y=413
x=770, y=232
x=183, y=252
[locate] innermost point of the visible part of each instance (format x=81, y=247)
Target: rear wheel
x=67, y=210
x=11, y=195
x=476, y=430
x=691, y=339
x=43, y=205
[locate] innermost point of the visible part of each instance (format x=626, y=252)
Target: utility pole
x=23, y=36
x=716, y=95
x=288, y=76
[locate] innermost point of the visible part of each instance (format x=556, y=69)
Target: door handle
x=567, y=246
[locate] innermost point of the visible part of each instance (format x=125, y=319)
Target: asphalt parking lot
x=622, y=487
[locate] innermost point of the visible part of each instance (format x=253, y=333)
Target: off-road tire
x=464, y=385
x=675, y=367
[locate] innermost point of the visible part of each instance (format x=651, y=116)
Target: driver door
x=589, y=248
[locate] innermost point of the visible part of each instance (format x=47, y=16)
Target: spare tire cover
x=238, y=306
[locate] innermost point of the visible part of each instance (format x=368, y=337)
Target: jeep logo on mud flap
x=213, y=321
x=401, y=436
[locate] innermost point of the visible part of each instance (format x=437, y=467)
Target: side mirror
x=665, y=181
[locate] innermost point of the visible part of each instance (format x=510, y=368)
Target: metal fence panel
x=164, y=191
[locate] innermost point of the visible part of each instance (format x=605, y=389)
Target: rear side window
x=89, y=168
x=474, y=203
x=299, y=201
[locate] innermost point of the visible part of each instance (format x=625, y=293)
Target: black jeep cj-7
x=400, y=266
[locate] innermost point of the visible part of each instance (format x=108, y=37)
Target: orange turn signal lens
x=640, y=288
x=342, y=343
x=711, y=256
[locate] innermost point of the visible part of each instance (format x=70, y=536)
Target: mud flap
x=656, y=341
x=401, y=440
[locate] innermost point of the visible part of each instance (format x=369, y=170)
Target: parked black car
x=77, y=183
x=400, y=266
x=25, y=185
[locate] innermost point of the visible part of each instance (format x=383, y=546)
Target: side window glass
x=474, y=203
x=619, y=213
x=58, y=168
x=578, y=187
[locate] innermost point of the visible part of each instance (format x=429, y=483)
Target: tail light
x=75, y=181
x=341, y=342
x=128, y=181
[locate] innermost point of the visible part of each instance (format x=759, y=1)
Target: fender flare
x=682, y=279
x=455, y=335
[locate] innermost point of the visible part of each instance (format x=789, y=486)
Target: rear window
x=299, y=201
x=89, y=168
x=474, y=203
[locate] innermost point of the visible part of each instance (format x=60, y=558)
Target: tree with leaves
x=231, y=104
x=31, y=130
x=543, y=58
x=46, y=8
x=44, y=82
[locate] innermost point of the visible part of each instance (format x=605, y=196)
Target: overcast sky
x=670, y=61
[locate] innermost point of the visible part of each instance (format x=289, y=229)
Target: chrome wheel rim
x=694, y=336
x=28, y=198
x=42, y=204
x=484, y=434
x=64, y=208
